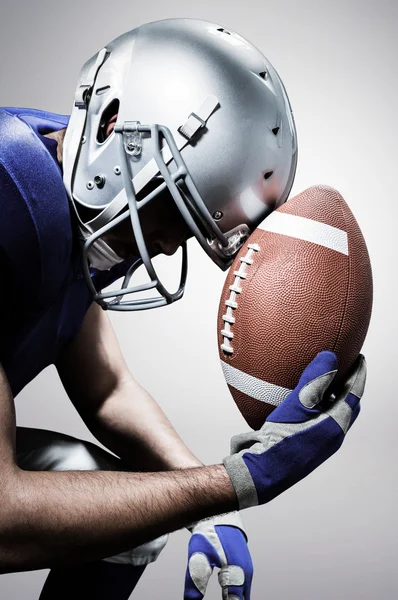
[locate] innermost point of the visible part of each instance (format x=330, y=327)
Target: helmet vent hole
x=102, y=90
x=222, y=30
x=275, y=130
x=263, y=74
x=268, y=174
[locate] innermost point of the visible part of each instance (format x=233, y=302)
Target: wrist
x=228, y=501
x=229, y=489
x=240, y=481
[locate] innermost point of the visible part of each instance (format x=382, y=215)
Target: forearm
x=50, y=518
x=131, y=424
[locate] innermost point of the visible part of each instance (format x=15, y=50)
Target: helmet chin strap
x=101, y=255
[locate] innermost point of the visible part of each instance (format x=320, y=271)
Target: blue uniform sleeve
x=19, y=248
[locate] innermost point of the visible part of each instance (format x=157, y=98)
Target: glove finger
x=347, y=401
x=243, y=441
x=354, y=385
x=324, y=362
x=302, y=402
x=232, y=581
x=197, y=577
x=248, y=587
x=234, y=593
x=355, y=414
x=241, y=592
x=316, y=378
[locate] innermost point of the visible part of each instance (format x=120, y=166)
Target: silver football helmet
x=202, y=113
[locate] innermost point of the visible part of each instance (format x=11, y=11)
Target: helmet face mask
x=207, y=119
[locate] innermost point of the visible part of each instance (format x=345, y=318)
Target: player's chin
x=157, y=249
x=170, y=251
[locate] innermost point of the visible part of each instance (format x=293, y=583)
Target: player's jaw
x=162, y=224
x=161, y=236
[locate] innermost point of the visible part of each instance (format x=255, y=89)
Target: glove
x=219, y=541
x=299, y=435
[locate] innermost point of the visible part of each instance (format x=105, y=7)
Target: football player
x=179, y=129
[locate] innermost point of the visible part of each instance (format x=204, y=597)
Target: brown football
x=301, y=283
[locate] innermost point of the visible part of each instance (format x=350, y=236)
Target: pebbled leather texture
x=298, y=298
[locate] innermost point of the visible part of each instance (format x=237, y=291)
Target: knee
x=73, y=455
x=141, y=555
x=50, y=451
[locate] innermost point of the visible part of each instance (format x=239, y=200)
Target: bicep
x=92, y=366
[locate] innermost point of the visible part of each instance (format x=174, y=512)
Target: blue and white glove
x=221, y=542
x=299, y=435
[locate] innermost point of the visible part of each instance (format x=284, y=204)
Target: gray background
x=334, y=534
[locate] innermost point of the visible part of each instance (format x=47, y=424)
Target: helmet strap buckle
x=132, y=138
x=197, y=120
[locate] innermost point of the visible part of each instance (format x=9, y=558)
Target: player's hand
x=221, y=542
x=299, y=435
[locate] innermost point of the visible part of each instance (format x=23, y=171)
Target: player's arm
x=119, y=412
x=60, y=517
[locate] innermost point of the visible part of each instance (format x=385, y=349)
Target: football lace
x=231, y=302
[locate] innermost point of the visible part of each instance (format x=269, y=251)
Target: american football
x=302, y=283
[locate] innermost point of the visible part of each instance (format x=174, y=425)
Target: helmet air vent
x=102, y=90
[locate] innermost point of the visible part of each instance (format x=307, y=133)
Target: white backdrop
x=334, y=534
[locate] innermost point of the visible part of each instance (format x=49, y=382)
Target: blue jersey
x=43, y=296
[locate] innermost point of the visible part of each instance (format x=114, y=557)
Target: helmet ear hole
x=111, y=110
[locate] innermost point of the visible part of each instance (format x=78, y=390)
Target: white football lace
x=231, y=303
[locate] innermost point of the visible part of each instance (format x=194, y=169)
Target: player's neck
x=59, y=137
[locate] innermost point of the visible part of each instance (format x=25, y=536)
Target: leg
x=98, y=580
x=115, y=577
